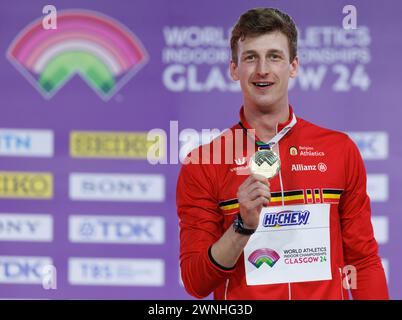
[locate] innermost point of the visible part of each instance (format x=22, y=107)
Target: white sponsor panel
x=373, y=145
x=26, y=143
x=377, y=187
x=26, y=227
x=117, y=229
x=380, y=226
x=22, y=269
x=291, y=244
x=116, y=272
x=117, y=187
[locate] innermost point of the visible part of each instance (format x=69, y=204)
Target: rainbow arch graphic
x=260, y=256
x=96, y=47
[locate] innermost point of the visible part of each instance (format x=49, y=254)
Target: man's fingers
x=259, y=201
x=257, y=177
x=259, y=192
x=257, y=185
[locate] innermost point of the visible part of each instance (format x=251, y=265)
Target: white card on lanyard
x=291, y=244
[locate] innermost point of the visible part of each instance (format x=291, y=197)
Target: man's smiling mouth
x=263, y=84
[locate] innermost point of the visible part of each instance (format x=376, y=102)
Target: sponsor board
x=380, y=226
x=116, y=272
x=378, y=187
x=26, y=185
x=26, y=143
x=373, y=145
x=23, y=270
x=113, y=145
x=117, y=187
x=117, y=229
x=26, y=227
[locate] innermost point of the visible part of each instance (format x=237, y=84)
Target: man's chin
x=265, y=105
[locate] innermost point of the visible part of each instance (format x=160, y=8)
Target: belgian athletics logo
x=96, y=47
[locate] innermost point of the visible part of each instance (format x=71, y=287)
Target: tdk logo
x=117, y=229
x=22, y=269
x=286, y=218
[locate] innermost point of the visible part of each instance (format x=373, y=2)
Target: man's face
x=263, y=69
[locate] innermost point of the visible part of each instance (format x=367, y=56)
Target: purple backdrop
x=349, y=81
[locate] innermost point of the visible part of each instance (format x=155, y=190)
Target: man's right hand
x=253, y=194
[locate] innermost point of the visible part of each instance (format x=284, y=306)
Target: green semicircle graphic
x=65, y=65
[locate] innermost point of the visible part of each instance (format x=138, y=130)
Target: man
x=279, y=234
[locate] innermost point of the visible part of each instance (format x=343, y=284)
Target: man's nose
x=263, y=68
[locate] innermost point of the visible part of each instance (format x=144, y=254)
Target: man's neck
x=265, y=122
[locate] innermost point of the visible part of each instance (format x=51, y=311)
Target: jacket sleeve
x=359, y=245
x=201, y=225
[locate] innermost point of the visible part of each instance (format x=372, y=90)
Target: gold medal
x=266, y=163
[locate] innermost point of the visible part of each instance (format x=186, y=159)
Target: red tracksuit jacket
x=317, y=166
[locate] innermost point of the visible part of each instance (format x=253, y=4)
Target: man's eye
x=275, y=56
x=250, y=58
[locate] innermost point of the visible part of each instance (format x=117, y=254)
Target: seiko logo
x=26, y=184
x=322, y=167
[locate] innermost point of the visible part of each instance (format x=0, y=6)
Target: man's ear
x=294, y=67
x=234, y=71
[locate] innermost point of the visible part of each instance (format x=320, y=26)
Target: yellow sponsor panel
x=26, y=185
x=118, y=145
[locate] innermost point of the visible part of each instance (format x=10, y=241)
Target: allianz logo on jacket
x=322, y=167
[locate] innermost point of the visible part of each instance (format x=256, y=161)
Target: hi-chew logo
x=260, y=256
x=286, y=218
x=96, y=47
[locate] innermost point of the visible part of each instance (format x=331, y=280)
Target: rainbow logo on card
x=102, y=51
x=265, y=255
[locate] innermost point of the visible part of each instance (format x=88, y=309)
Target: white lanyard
x=276, y=138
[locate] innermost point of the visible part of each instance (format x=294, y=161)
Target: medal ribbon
x=275, y=139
